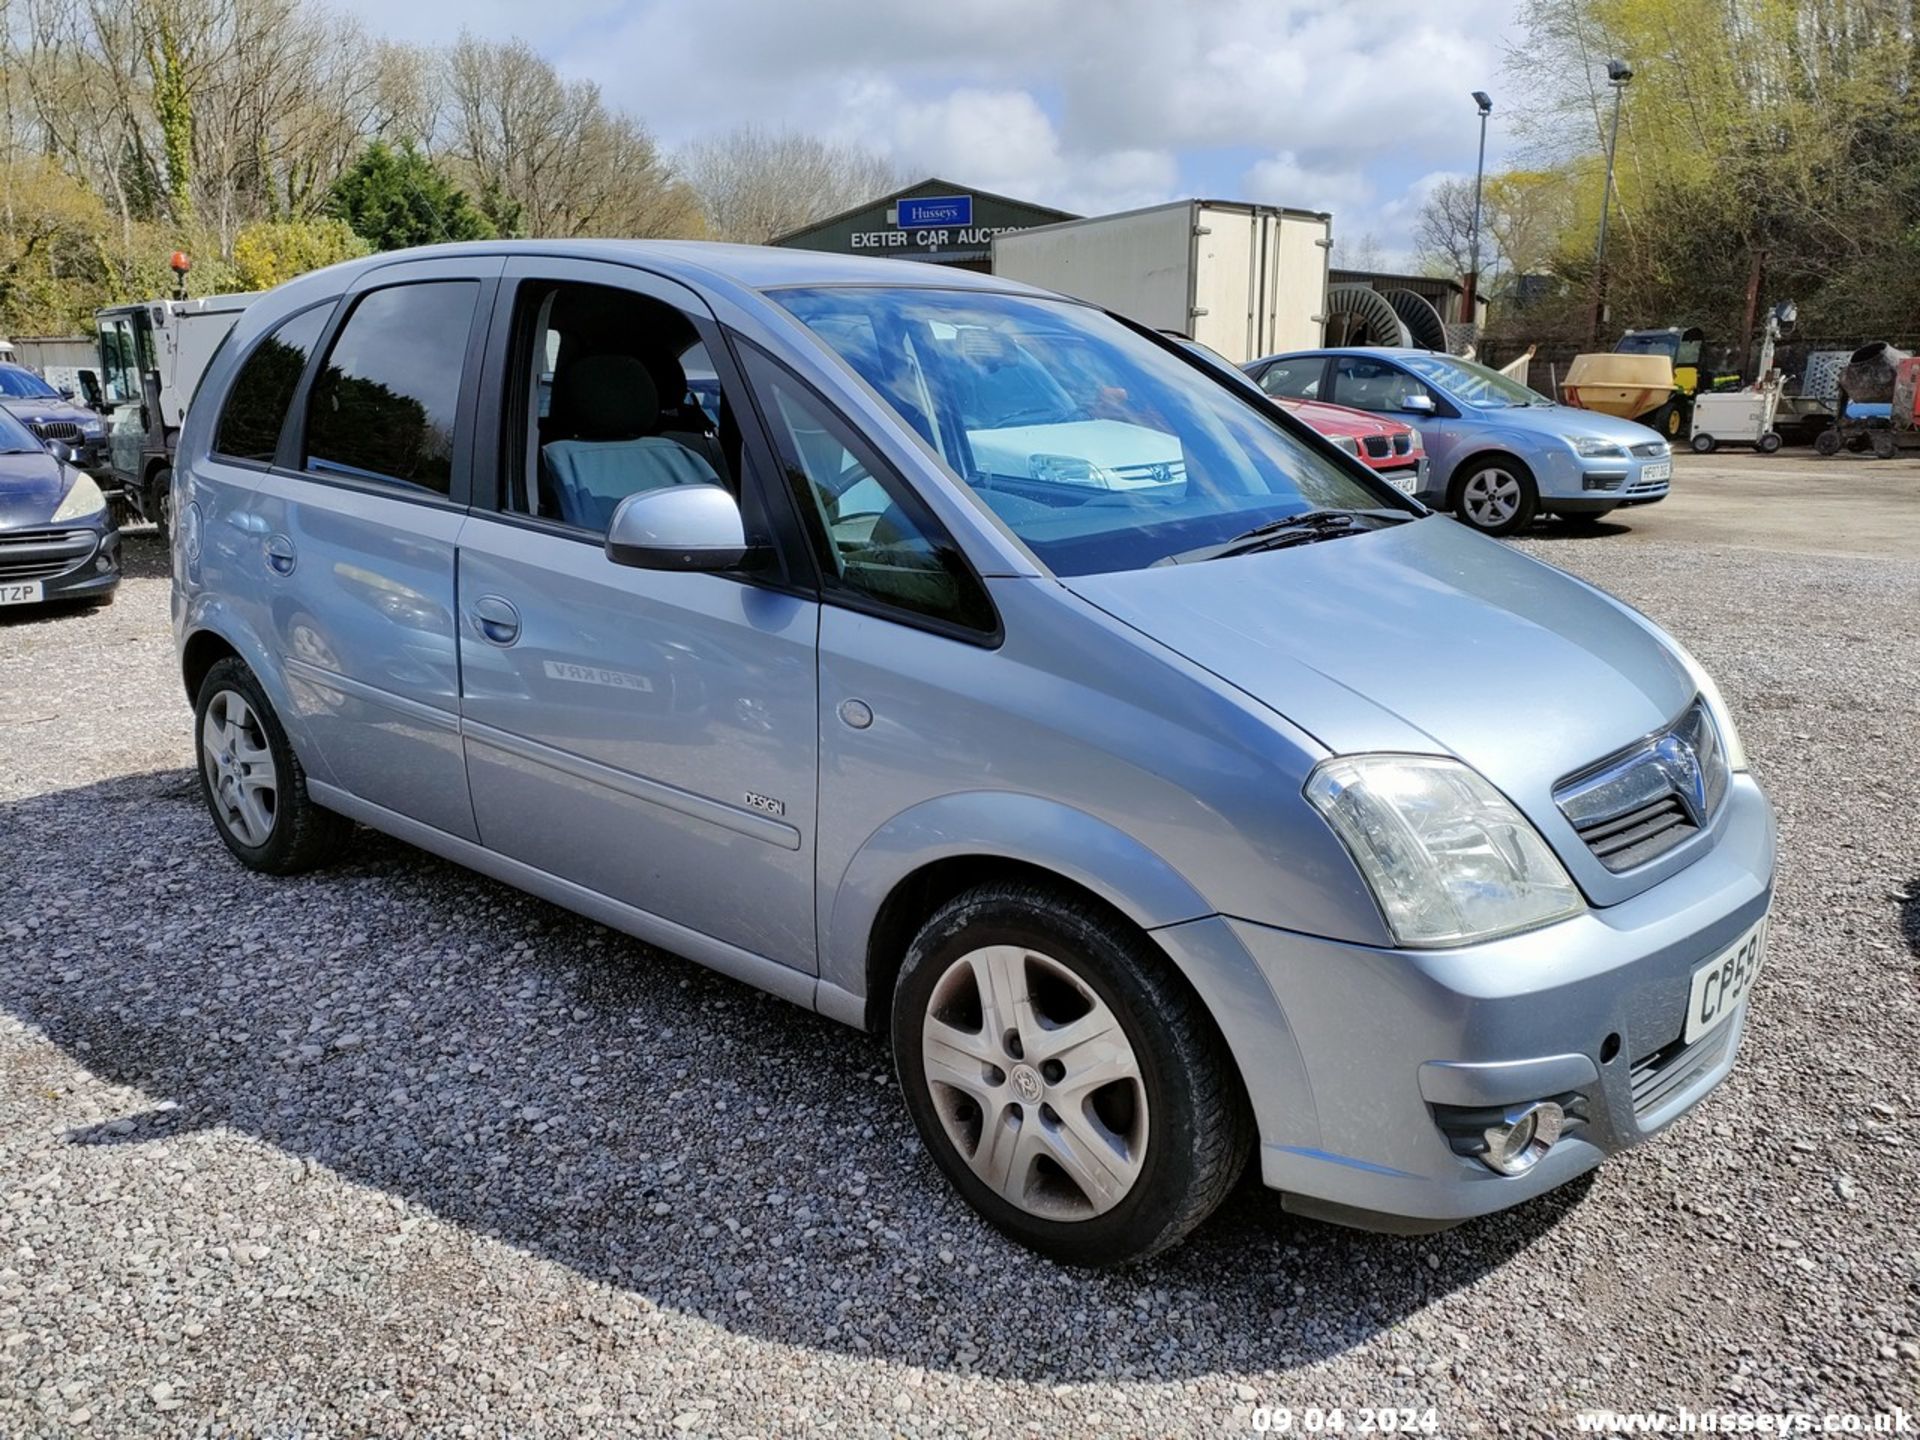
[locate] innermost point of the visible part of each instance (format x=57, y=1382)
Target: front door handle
x=496, y=620
x=280, y=555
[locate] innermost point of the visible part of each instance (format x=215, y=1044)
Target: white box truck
x=152, y=355
x=1245, y=280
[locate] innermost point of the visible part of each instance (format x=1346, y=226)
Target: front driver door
x=650, y=735
x=1362, y=382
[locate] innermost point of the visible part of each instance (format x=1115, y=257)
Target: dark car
x=51, y=415
x=57, y=538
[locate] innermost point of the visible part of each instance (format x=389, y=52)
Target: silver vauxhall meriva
x=972, y=665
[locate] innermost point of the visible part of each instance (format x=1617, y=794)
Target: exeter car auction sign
x=934, y=220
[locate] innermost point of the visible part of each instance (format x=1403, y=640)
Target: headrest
x=605, y=397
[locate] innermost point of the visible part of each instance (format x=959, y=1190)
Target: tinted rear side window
x=257, y=404
x=383, y=403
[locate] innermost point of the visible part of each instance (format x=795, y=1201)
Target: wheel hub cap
x=1035, y=1082
x=240, y=769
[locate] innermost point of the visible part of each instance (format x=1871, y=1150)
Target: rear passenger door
x=351, y=533
x=650, y=735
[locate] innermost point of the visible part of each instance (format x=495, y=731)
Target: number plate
x=21, y=592
x=1405, y=481
x=1723, y=982
x=1657, y=470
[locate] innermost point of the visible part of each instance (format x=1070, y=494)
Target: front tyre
x=1067, y=1081
x=1496, y=496
x=252, y=782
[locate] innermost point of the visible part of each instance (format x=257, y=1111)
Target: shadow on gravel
x=1910, y=916
x=531, y=1076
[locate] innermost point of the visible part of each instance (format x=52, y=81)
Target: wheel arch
x=1468, y=463
x=929, y=853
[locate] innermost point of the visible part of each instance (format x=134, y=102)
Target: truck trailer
x=152, y=355
x=1244, y=280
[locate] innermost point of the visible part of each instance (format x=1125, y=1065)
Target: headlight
x=1591, y=449
x=1447, y=857
x=1347, y=443
x=1413, y=438
x=83, y=500
x=93, y=429
x=1062, y=469
x=1716, y=706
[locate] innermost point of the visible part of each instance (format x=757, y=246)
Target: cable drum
x=1423, y=322
x=1359, y=315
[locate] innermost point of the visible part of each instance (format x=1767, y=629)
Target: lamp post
x=1619, y=73
x=1470, y=302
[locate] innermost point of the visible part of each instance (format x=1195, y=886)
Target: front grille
x=55, y=430
x=1162, y=474
x=1647, y=487
x=1637, y=805
x=1379, y=446
x=1674, y=1067
x=36, y=554
x=1639, y=835
x=1651, y=450
x=1403, y=443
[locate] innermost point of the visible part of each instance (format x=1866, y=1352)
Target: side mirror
x=66, y=392
x=1418, y=404
x=682, y=527
x=60, y=450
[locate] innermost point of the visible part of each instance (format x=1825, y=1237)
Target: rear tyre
x=252, y=781
x=1769, y=442
x=1070, y=1085
x=1827, y=442
x=1704, y=444
x=1884, y=447
x=160, y=500
x=1496, y=496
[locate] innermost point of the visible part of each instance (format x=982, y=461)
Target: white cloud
x=1087, y=104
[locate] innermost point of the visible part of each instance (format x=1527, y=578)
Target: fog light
x=1524, y=1134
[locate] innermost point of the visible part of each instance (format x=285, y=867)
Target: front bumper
x=1376, y=1051
x=1571, y=484
x=71, y=562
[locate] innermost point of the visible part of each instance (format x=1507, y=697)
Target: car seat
x=607, y=410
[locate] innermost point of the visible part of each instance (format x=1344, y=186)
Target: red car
x=1386, y=446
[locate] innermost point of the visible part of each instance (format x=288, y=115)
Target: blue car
x=1500, y=454
x=966, y=664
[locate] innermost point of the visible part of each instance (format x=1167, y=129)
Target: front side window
x=257, y=403
x=1364, y=384
x=1097, y=447
x=383, y=404
x=874, y=537
x=617, y=396
x=119, y=360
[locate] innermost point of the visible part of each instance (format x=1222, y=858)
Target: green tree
x=393, y=198
x=270, y=252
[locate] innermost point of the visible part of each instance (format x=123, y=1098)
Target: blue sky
x=1090, y=105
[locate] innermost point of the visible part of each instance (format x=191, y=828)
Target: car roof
x=754, y=267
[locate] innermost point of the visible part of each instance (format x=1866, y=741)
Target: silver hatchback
x=971, y=665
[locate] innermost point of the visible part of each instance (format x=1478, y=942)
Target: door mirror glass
x=1417, y=404
x=60, y=451
x=679, y=527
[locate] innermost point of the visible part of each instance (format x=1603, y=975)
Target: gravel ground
x=392, y=1148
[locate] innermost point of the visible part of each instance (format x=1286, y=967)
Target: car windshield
x=1101, y=450
x=1473, y=384
x=25, y=385
x=15, y=437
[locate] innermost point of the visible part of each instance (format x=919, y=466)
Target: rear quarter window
x=262, y=391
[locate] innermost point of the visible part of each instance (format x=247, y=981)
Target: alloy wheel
x=1035, y=1082
x=1491, y=497
x=239, y=768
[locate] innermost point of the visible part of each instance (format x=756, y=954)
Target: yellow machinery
x=1630, y=386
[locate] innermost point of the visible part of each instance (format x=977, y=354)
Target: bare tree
x=547, y=157
x=1445, y=236
x=756, y=185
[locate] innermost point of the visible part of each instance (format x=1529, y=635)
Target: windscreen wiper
x=1303, y=527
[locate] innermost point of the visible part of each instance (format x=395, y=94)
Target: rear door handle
x=496, y=620
x=280, y=557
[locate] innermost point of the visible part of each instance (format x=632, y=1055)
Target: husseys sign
x=933, y=220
